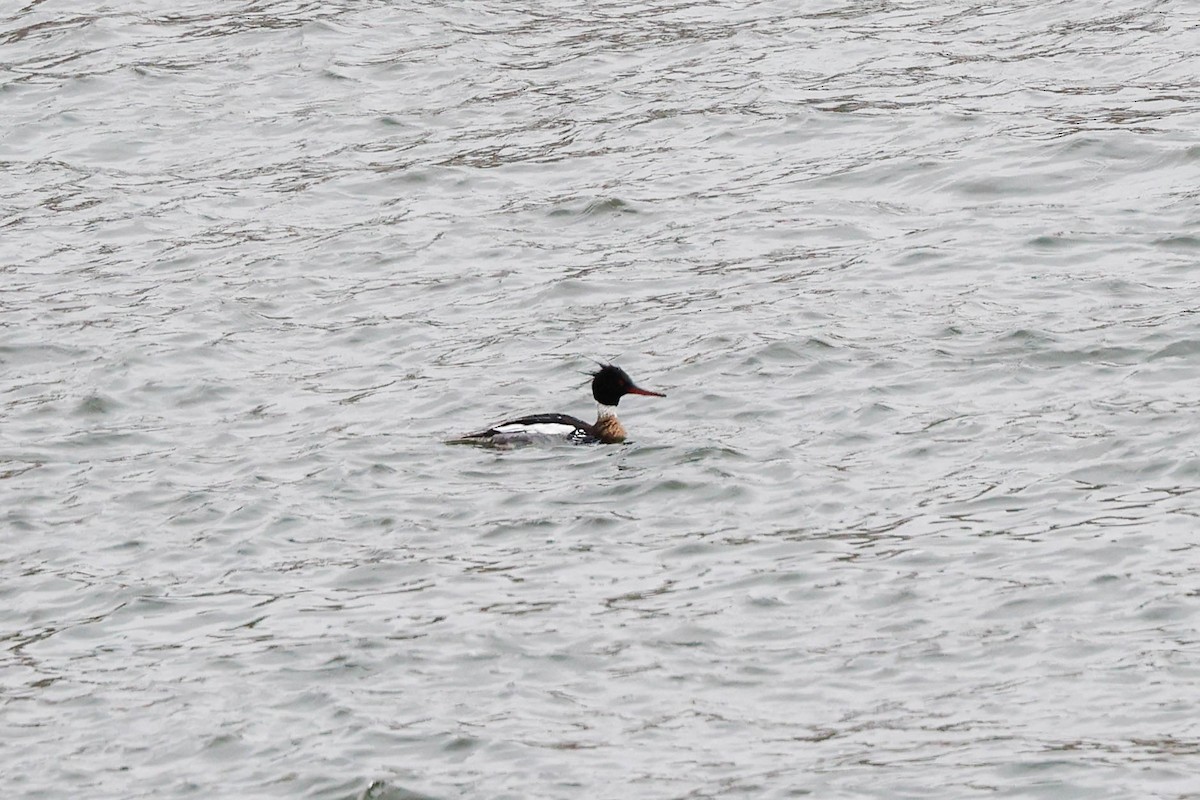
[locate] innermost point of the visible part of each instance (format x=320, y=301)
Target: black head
x=610, y=384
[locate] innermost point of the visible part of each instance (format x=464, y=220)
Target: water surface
x=918, y=517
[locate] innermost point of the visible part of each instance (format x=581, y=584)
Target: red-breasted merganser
x=609, y=385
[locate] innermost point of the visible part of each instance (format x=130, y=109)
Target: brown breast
x=609, y=430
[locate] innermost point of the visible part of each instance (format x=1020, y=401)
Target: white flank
x=537, y=429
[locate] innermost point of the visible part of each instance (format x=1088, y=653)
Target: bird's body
x=609, y=385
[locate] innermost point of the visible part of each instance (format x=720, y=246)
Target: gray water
x=917, y=518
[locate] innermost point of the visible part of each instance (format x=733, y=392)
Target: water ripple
x=918, y=511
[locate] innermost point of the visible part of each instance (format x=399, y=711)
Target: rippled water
x=918, y=517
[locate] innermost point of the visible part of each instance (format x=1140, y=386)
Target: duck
x=609, y=384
